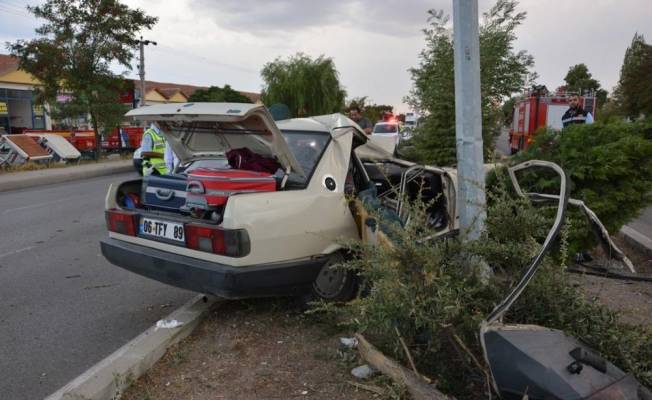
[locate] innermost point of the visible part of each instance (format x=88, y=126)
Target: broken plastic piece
x=168, y=324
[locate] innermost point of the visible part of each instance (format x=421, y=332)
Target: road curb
x=27, y=179
x=107, y=379
x=637, y=240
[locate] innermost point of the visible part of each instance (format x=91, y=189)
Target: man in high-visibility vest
x=152, y=149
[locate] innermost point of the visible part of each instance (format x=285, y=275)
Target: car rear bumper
x=278, y=279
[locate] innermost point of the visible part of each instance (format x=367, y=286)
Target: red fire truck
x=540, y=109
x=124, y=138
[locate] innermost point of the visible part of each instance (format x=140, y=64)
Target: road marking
x=10, y=253
x=40, y=204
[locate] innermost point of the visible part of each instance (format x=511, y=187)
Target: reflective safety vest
x=158, y=146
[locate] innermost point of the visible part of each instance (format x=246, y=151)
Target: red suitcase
x=210, y=188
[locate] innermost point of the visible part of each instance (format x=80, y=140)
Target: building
x=19, y=111
x=161, y=92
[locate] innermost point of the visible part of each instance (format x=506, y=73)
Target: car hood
x=245, y=125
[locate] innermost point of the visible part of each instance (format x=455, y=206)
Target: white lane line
x=7, y=211
x=11, y=253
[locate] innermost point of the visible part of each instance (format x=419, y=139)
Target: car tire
x=334, y=283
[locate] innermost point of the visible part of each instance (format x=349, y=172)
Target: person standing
x=358, y=118
x=575, y=113
x=152, y=150
x=171, y=159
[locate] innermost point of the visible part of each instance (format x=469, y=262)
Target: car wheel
x=335, y=283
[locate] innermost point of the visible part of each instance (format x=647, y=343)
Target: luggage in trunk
x=164, y=192
x=209, y=189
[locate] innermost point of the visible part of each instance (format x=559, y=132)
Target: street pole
x=468, y=119
x=141, y=69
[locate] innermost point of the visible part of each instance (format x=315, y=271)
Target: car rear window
x=385, y=128
x=307, y=148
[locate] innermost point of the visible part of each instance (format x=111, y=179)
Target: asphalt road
x=63, y=307
x=644, y=223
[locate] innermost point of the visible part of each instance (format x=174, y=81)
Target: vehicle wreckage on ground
x=258, y=207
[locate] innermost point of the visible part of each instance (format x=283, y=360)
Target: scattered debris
x=350, y=343
x=100, y=286
x=363, y=372
x=167, y=324
x=368, y=388
x=567, y=368
x=418, y=388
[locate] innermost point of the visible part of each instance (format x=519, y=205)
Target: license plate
x=162, y=229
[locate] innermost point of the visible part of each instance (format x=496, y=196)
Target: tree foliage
x=73, y=54
x=370, y=110
x=634, y=91
x=609, y=165
x=308, y=87
x=580, y=80
x=218, y=94
x=503, y=71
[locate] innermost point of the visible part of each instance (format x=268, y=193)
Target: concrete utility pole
x=468, y=119
x=141, y=69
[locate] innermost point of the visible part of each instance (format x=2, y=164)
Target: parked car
x=387, y=135
x=281, y=242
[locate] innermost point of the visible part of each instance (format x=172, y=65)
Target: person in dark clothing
x=358, y=118
x=575, y=113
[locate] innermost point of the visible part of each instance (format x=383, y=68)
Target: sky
x=372, y=42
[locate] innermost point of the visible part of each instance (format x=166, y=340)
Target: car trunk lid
x=203, y=130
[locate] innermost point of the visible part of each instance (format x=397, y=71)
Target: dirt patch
x=632, y=299
x=264, y=349
x=268, y=349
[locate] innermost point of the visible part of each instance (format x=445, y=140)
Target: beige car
x=284, y=242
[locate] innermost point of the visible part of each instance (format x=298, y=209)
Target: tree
x=580, y=80
x=609, y=165
x=372, y=111
x=73, y=54
x=308, y=87
x=503, y=72
x=508, y=111
x=634, y=91
x=217, y=94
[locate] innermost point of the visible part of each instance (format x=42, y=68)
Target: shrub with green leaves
x=429, y=293
x=609, y=166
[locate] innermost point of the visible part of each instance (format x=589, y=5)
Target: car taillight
x=226, y=242
x=120, y=221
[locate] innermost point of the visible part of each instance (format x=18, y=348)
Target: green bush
x=609, y=165
x=429, y=293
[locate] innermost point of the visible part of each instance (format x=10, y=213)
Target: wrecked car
x=536, y=362
x=276, y=229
